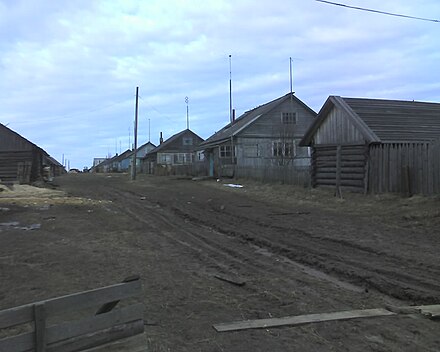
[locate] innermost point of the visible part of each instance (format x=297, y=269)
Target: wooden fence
x=56, y=325
x=287, y=174
x=407, y=168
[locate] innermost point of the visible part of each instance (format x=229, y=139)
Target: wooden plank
x=92, y=298
x=23, y=314
x=107, y=307
x=431, y=311
x=137, y=343
x=16, y=316
x=99, y=338
x=301, y=319
x=94, y=323
x=18, y=343
x=40, y=327
x=338, y=171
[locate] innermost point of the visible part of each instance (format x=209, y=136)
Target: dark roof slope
x=49, y=158
x=381, y=120
x=248, y=118
x=170, y=140
x=395, y=120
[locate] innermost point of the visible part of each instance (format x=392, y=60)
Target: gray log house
x=262, y=143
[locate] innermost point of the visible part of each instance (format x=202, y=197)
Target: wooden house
x=263, y=143
x=23, y=161
x=175, y=156
x=141, y=152
x=376, y=146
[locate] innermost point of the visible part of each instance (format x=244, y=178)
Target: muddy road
x=285, y=251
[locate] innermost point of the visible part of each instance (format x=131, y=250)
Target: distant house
x=122, y=162
x=262, y=143
x=23, y=161
x=97, y=161
x=175, y=156
x=375, y=146
x=141, y=152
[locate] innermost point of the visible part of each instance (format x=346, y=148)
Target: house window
x=165, y=159
x=225, y=151
x=288, y=118
x=183, y=158
x=187, y=141
x=283, y=149
x=200, y=155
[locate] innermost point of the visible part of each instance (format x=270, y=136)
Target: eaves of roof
x=337, y=101
x=249, y=117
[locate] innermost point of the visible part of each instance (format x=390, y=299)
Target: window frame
x=289, y=117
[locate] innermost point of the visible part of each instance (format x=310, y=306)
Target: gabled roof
x=145, y=144
x=8, y=130
x=247, y=119
x=381, y=120
x=124, y=155
x=49, y=158
x=170, y=140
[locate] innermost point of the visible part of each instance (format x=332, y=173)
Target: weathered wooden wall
x=408, y=168
x=268, y=124
x=286, y=174
x=23, y=166
x=342, y=166
x=338, y=129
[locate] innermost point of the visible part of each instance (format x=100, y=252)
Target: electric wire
x=378, y=11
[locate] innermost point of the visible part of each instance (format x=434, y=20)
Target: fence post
x=338, y=171
x=40, y=327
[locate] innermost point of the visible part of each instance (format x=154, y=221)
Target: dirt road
x=297, y=251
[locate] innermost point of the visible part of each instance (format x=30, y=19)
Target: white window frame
x=225, y=151
x=283, y=149
x=289, y=118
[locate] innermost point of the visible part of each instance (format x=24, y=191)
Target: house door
x=211, y=165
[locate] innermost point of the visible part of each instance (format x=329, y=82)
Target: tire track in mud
x=222, y=257
x=332, y=257
x=340, y=260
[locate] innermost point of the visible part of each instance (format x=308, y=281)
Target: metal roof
x=247, y=119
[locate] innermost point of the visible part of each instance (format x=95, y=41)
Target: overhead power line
x=377, y=11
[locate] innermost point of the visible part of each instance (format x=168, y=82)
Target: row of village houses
x=367, y=145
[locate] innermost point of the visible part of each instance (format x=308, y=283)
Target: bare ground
x=299, y=251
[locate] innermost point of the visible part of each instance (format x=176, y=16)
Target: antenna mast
x=187, y=113
x=230, y=88
x=133, y=163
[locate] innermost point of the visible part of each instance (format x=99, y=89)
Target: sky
x=69, y=69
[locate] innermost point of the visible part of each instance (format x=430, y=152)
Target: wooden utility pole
x=133, y=163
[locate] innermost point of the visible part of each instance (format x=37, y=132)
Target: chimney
x=161, y=138
x=233, y=115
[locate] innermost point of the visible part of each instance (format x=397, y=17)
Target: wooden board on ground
x=302, y=319
x=431, y=311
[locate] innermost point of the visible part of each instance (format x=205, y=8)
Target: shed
x=23, y=161
x=376, y=145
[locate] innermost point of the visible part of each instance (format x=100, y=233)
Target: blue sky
x=69, y=69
